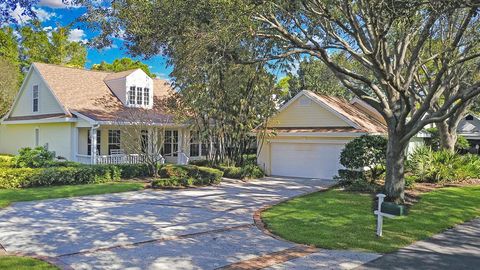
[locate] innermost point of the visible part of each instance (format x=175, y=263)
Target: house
x=469, y=127
x=78, y=114
x=309, y=133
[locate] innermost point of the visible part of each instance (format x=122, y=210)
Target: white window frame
x=139, y=100
x=195, y=141
x=111, y=134
x=172, y=142
x=35, y=98
x=132, y=95
x=146, y=96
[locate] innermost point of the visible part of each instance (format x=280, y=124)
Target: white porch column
x=180, y=147
x=93, y=145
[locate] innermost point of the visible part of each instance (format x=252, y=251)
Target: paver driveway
x=203, y=228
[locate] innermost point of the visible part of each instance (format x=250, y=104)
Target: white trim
x=18, y=94
x=84, y=117
x=40, y=121
x=366, y=106
x=310, y=141
x=321, y=134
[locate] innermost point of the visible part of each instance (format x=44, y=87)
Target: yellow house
x=306, y=136
x=89, y=116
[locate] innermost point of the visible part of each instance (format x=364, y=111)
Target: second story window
x=139, y=96
x=131, y=95
x=146, y=96
x=35, y=98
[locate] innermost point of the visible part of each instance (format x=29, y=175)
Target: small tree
x=142, y=132
x=365, y=152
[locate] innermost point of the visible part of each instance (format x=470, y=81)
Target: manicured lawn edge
x=336, y=219
x=31, y=262
x=8, y=196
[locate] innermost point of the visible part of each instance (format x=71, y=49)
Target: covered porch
x=108, y=144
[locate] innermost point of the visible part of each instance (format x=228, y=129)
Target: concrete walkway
x=458, y=248
x=203, y=228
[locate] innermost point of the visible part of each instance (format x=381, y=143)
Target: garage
x=306, y=160
x=305, y=137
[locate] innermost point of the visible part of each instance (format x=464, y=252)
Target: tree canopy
x=409, y=52
x=123, y=64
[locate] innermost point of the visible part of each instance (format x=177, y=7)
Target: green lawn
x=8, y=196
x=23, y=263
x=342, y=220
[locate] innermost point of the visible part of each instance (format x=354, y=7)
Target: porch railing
x=116, y=159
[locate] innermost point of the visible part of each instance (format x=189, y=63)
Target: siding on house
x=304, y=112
x=47, y=102
x=58, y=136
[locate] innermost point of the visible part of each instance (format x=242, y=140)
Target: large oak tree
x=391, y=40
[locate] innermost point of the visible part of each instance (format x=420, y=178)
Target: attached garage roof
x=357, y=120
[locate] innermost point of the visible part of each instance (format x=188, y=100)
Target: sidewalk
x=457, y=248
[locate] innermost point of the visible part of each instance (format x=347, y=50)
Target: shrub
x=128, y=171
x=356, y=181
x=427, y=165
x=16, y=177
x=33, y=158
x=365, y=151
x=188, y=175
x=28, y=177
x=231, y=171
x=252, y=171
x=434, y=140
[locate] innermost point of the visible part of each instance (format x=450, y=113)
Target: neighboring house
x=77, y=114
x=469, y=127
x=310, y=132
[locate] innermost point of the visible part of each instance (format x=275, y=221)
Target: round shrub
x=365, y=152
x=33, y=158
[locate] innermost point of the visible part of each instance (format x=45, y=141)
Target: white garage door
x=309, y=160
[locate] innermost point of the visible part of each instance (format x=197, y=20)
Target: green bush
x=356, y=181
x=434, y=140
x=427, y=165
x=188, y=175
x=28, y=177
x=252, y=171
x=231, y=171
x=16, y=177
x=129, y=171
x=365, y=151
x=33, y=158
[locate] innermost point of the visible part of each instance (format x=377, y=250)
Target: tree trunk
x=394, y=178
x=447, y=136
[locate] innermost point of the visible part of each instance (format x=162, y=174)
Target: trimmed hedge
x=128, y=171
x=189, y=175
x=250, y=171
x=27, y=177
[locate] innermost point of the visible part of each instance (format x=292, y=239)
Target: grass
x=7, y=196
x=24, y=263
x=337, y=219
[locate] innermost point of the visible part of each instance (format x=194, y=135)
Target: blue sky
x=53, y=12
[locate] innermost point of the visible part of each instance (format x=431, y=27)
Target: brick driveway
x=203, y=228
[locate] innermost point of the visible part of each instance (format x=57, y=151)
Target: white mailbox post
x=380, y=215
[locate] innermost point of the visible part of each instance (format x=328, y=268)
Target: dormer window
x=35, y=98
x=146, y=96
x=131, y=96
x=139, y=96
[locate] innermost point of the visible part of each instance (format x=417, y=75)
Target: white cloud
x=43, y=15
x=21, y=18
x=77, y=35
x=56, y=4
